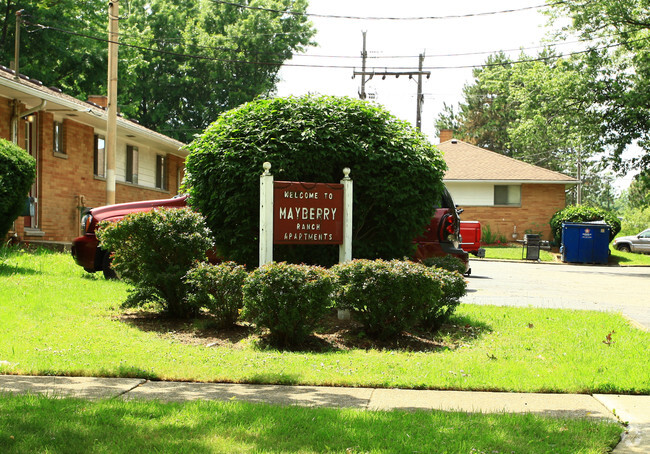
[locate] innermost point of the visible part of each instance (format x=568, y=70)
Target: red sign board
x=307, y=213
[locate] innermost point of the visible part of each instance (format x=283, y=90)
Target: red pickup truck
x=442, y=236
x=470, y=234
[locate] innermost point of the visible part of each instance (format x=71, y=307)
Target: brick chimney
x=446, y=135
x=99, y=100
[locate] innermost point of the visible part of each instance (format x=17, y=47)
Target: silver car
x=634, y=243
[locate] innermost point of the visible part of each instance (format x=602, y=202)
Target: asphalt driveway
x=566, y=286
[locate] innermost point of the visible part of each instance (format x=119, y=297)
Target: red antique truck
x=86, y=250
x=442, y=236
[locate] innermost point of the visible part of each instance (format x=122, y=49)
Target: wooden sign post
x=294, y=212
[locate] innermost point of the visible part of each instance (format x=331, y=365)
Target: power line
x=460, y=54
x=182, y=40
x=332, y=16
x=348, y=67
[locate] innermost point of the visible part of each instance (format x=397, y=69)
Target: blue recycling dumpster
x=586, y=242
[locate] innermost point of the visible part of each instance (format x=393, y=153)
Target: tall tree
x=180, y=66
x=485, y=114
x=554, y=124
x=71, y=62
x=537, y=109
x=637, y=196
x=621, y=34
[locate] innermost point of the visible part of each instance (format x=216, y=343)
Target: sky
x=397, y=44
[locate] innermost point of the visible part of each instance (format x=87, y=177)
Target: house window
x=57, y=138
x=132, y=164
x=99, y=156
x=507, y=195
x=161, y=172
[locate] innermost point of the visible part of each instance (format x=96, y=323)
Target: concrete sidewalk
x=632, y=409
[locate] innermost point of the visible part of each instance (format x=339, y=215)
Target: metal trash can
x=586, y=242
x=532, y=243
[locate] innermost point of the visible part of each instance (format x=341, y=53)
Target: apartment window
x=161, y=172
x=507, y=195
x=57, y=139
x=99, y=156
x=132, y=164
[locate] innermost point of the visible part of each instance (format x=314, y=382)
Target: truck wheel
x=624, y=248
x=109, y=272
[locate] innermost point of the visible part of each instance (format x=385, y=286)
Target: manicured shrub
x=582, y=213
x=447, y=262
x=388, y=297
x=17, y=174
x=217, y=288
x=452, y=288
x=397, y=173
x=287, y=299
x=153, y=251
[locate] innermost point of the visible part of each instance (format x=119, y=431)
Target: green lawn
x=628, y=258
x=38, y=424
x=514, y=253
x=57, y=319
x=616, y=257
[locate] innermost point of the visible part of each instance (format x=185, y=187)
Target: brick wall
x=67, y=183
x=538, y=203
x=5, y=118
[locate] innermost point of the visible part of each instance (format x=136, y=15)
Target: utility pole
x=19, y=22
x=364, y=55
x=111, y=124
x=420, y=97
x=370, y=74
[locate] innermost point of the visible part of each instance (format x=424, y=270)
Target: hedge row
x=162, y=253
x=386, y=297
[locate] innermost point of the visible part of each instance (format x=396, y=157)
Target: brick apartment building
x=67, y=138
x=510, y=196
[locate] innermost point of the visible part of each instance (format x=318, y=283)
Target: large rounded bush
x=17, y=173
x=583, y=213
x=397, y=173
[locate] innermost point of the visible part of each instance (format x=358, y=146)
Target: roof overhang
x=445, y=180
x=31, y=95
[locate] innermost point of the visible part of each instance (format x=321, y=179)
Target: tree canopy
x=537, y=110
x=180, y=64
x=548, y=109
x=619, y=33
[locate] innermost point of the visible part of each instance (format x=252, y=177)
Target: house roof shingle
x=468, y=162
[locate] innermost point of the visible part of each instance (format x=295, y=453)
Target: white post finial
x=267, y=167
x=346, y=173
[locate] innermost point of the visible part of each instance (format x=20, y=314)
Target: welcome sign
x=307, y=213
x=294, y=212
